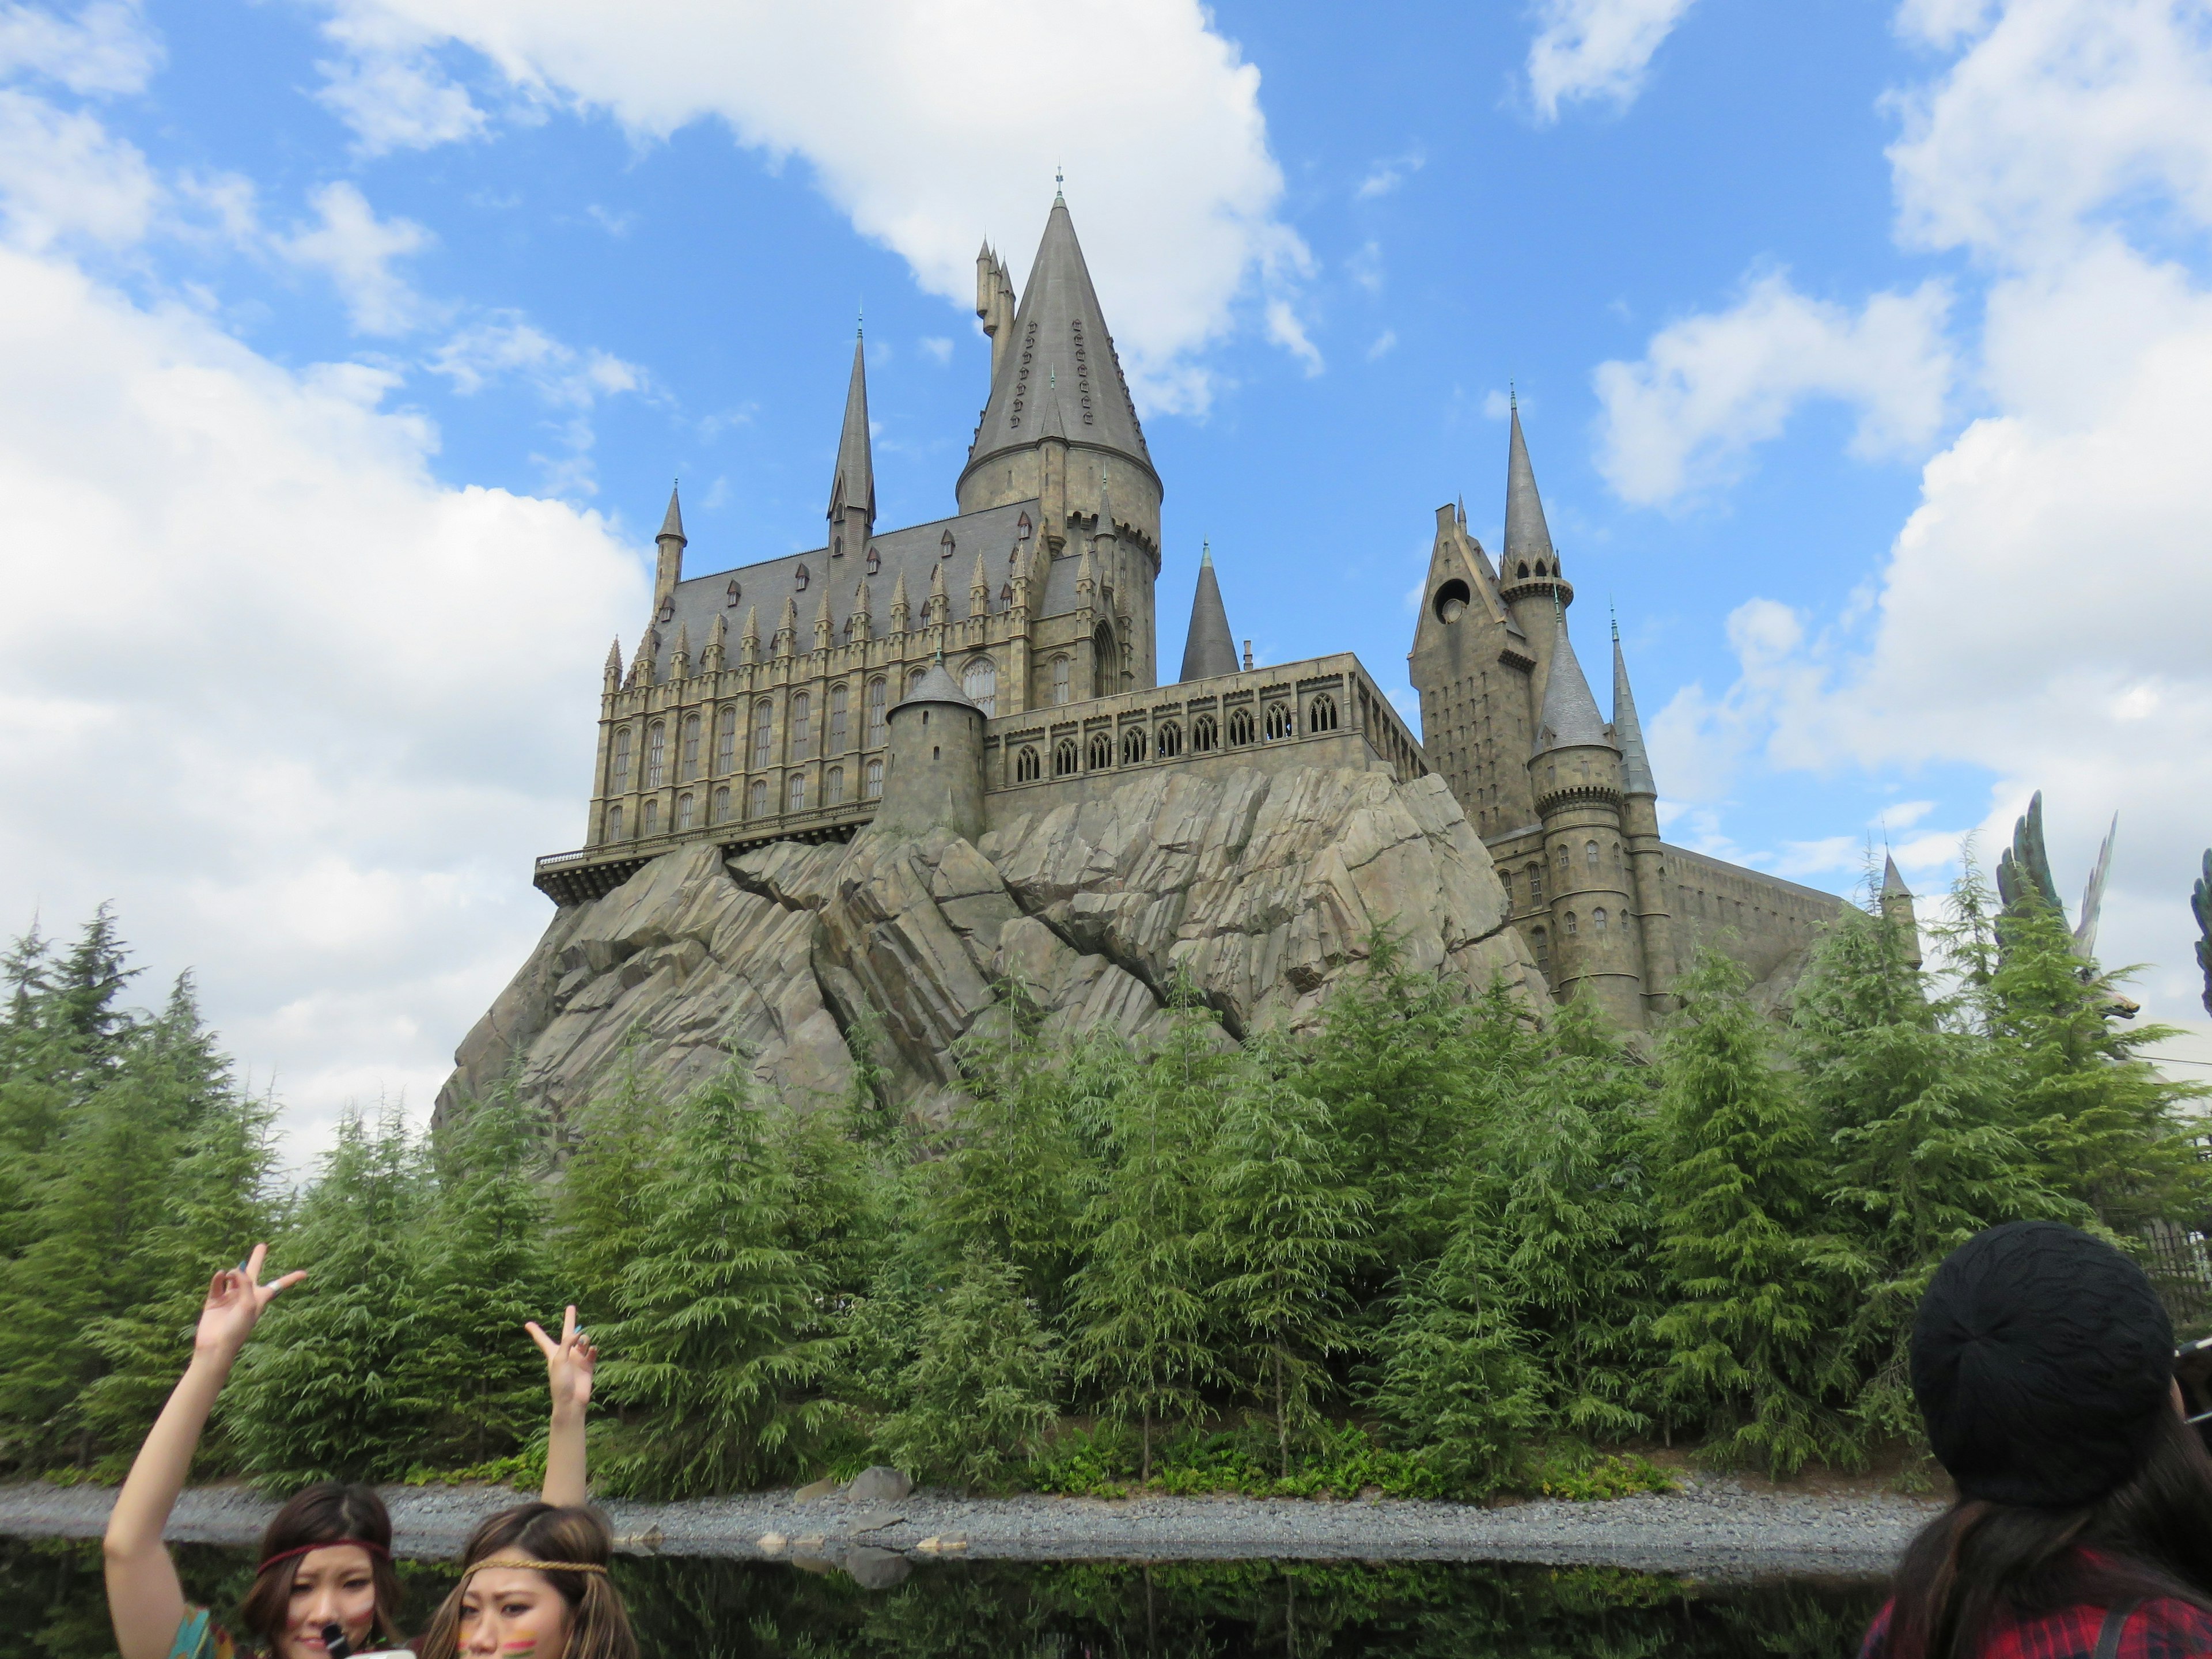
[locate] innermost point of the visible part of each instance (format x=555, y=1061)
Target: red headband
x=370, y=1545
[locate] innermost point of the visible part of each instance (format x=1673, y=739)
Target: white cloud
x=1595, y=49
x=345, y=702
x=1385, y=342
x=922, y=90
x=504, y=344
x=1365, y=267
x=356, y=250
x=937, y=348
x=1386, y=176
x=1497, y=404
x=1710, y=387
x=1284, y=329
x=106, y=48
x=398, y=102
x=64, y=178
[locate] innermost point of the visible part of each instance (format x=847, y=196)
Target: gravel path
x=1714, y=1528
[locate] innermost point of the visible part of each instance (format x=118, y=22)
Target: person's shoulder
x=198, y=1637
x=1876, y=1644
x=2166, y=1627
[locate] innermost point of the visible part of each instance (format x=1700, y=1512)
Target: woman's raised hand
x=568, y=1362
x=235, y=1297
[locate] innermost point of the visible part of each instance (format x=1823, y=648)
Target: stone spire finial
x=939, y=606
x=614, y=664
x=821, y=626
x=979, y=590
x=1571, y=719
x=641, y=662
x=671, y=522
x=668, y=562
x=749, y=641
x=852, y=487
x=900, y=611
x=680, y=665
x=862, y=620
x=787, y=630
x=1209, y=648
x=1627, y=730
x=717, y=642
x=1528, y=537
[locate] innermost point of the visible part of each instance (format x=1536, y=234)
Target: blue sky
x=351, y=345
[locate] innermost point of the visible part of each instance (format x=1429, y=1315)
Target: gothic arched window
x=722, y=805
x=833, y=787
x=795, y=799
x=683, y=813
x=1168, y=743
x=871, y=779
x=1541, y=941
x=656, y=754
x=1133, y=745
x=1102, y=752
x=618, y=767
x=615, y=821
x=1279, y=723
x=1240, y=728
x=691, y=745
x=1026, y=766
x=1060, y=681
x=1589, y=854
x=1322, y=715
x=1570, y=924
x=1105, y=663
x=651, y=817
x=876, y=693
x=981, y=683
x=839, y=696
x=1535, y=886
x=1204, y=736
x=1066, y=759
x=802, y=725
x=725, y=741
x=763, y=732
x=1597, y=919
x=756, y=799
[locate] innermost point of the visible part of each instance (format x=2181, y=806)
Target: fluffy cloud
x=892, y=104
x=105, y=49
x=1598, y=49
x=64, y=178
x=358, y=250
x=1710, y=387
x=2040, y=619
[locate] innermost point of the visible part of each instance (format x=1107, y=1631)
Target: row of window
x=1068, y=757
x=1540, y=941
x=722, y=804
x=1592, y=856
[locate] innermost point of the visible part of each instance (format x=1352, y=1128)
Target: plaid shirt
x=2161, y=1629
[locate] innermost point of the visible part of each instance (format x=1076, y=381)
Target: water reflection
x=51, y=1607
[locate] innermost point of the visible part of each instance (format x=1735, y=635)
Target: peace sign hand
x=568, y=1362
x=235, y=1297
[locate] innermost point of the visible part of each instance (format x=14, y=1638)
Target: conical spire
x=1571, y=717
x=1060, y=370
x=853, y=488
x=1892, y=883
x=671, y=522
x=979, y=589
x=1627, y=730
x=822, y=623
x=1209, y=648
x=614, y=659
x=1528, y=537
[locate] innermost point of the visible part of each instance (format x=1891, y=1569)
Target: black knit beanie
x=2041, y=1357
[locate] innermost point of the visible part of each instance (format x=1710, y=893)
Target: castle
x=876, y=695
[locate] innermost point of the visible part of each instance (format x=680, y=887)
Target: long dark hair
x=598, y=1624
x=2151, y=1536
x=329, y=1512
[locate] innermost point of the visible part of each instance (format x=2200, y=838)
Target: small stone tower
x=1209, y=649
x=1639, y=826
x=852, y=486
x=1575, y=776
x=668, y=566
x=1896, y=908
x=934, y=777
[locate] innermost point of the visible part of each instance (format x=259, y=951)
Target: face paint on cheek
x=519, y=1646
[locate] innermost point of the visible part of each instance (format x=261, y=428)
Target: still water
x=51, y=1607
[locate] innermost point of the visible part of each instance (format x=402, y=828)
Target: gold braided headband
x=522, y=1563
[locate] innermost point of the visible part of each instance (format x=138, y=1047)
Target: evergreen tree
x=485, y=1270
x=1284, y=1231
x=1574, y=1166
x=332, y=1386
x=1138, y=1304
x=1455, y=1380
x=1758, y=1281
x=601, y=1211
x=717, y=1329
x=979, y=1396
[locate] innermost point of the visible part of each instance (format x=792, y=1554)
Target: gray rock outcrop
x=1263, y=888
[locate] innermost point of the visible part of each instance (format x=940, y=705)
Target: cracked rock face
x=1263, y=888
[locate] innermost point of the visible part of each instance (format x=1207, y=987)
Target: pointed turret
x=1528, y=537
x=668, y=566
x=979, y=590
x=902, y=615
x=614, y=665
x=717, y=645
x=1897, y=907
x=822, y=623
x=787, y=630
x=940, y=607
x=641, y=662
x=749, y=641
x=852, y=487
x=1628, y=730
x=1209, y=649
x=680, y=664
x=1571, y=719
x=862, y=620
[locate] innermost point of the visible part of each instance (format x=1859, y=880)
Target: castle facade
x=1002, y=660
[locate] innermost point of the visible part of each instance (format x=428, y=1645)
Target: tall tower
x=1209, y=648
x=1897, y=909
x=1576, y=772
x=1060, y=418
x=852, y=486
x=668, y=566
x=1529, y=579
x=1640, y=828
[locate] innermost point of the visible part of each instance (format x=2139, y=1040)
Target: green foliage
x=979, y=1396
x=1594, y=1479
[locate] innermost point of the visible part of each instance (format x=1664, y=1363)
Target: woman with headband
x=324, y=1586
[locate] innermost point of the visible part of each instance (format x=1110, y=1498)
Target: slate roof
x=1628, y=730
x=1893, y=882
x=1060, y=374
x=671, y=522
x=914, y=552
x=1208, y=650
x=937, y=685
x=1527, y=535
x=1571, y=717
x=853, y=482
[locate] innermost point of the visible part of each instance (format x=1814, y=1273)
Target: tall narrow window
x=1542, y=941
x=763, y=732
x=1570, y=924
x=872, y=779
x=1105, y=663
x=802, y=722
x=1321, y=716
x=1589, y=854
x=1061, y=670
x=756, y=799
x=1535, y=886
x=797, y=802
x=877, y=691
x=615, y=821
x=722, y=805
x=1597, y=919
x=1279, y=723
x=725, y=742
x=1026, y=766
x=833, y=787
x=981, y=684
x=683, y=813
x=653, y=818
x=656, y=756
x=839, y=696
x=618, y=767
x=1133, y=745
x=1240, y=728
x=691, y=745
x=1204, y=736
x=1102, y=751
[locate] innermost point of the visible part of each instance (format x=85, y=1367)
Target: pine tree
x=602, y=1211
x=1758, y=1278
x=332, y=1386
x=1575, y=1168
x=979, y=1396
x=1138, y=1306
x=718, y=1332
x=485, y=1271
x=1284, y=1232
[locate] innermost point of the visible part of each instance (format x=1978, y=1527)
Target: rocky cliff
x=1264, y=889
